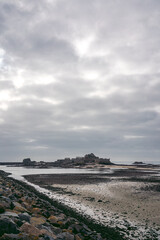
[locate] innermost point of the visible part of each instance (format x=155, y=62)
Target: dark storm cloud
x=78, y=77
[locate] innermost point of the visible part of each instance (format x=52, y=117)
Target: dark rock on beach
x=7, y=225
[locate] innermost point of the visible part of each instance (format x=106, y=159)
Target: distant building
x=88, y=159
x=28, y=162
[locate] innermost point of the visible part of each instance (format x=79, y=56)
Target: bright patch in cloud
x=91, y=75
x=30, y=140
x=80, y=128
x=3, y=106
x=133, y=136
x=18, y=79
x=51, y=101
x=82, y=45
x=4, y=95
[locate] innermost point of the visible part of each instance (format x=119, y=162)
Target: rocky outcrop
x=88, y=159
x=28, y=162
x=26, y=216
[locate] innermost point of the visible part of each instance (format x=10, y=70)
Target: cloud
x=79, y=77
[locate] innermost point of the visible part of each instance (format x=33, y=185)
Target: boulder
x=6, y=199
x=69, y=222
x=2, y=209
x=36, y=210
x=29, y=229
x=20, y=236
x=10, y=214
x=53, y=219
x=18, y=207
x=5, y=204
x=79, y=237
x=10, y=236
x=24, y=217
x=47, y=233
x=35, y=221
x=7, y=226
x=76, y=228
x=46, y=237
x=1, y=191
x=65, y=236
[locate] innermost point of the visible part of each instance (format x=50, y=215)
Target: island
x=87, y=161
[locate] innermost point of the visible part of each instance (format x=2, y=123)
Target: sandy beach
x=127, y=198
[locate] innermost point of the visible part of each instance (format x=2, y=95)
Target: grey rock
x=5, y=204
x=86, y=228
x=22, y=236
x=9, y=214
x=65, y=236
x=6, y=199
x=69, y=222
x=10, y=236
x=50, y=228
x=2, y=209
x=7, y=226
x=12, y=197
x=76, y=228
x=46, y=237
x=80, y=236
x=24, y=216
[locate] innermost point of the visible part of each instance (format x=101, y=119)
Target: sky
x=80, y=76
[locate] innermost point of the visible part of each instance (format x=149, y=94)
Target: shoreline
x=106, y=232
x=65, y=188
x=50, y=165
x=87, y=192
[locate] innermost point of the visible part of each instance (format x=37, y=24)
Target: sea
x=19, y=172
x=95, y=213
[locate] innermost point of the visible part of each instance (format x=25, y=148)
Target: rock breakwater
x=28, y=215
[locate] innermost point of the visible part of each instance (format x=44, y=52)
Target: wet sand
x=126, y=198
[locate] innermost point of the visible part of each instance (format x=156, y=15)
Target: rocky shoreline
x=26, y=214
x=125, y=199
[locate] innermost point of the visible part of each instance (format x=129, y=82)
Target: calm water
x=18, y=172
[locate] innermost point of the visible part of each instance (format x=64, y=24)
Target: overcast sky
x=80, y=76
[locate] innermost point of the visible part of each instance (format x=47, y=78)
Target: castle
x=88, y=159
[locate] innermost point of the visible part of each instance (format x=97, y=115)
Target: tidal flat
x=127, y=198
